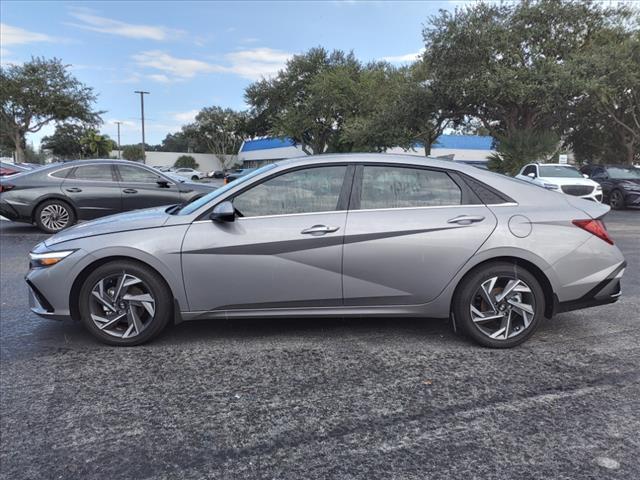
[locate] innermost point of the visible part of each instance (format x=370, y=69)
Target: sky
x=190, y=55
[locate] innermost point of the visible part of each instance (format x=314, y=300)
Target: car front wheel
x=125, y=303
x=499, y=305
x=195, y=177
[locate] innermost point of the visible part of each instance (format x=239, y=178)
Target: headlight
x=598, y=187
x=550, y=186
x=38, y=260
x=630, y=186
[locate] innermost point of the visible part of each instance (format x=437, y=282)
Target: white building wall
x=206, y=161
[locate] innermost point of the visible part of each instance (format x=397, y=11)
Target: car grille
x=577, y=190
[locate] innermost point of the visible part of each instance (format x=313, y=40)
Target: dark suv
x=620, y=184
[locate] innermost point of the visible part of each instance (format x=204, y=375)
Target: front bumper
x=632, y=198
x=41, y=306
x=606, y=292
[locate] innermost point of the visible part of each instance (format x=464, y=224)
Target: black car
x=57, y=196
x=620, y=184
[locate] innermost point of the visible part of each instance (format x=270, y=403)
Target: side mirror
x=531, y=175
x=162, y=183
x=585, y=175
x=223, y=212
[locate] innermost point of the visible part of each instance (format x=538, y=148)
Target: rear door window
x=93, y=173
x=405, y=187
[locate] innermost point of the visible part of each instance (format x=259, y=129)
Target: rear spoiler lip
x=592, y=209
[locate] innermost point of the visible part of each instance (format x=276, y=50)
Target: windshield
x=195, y=205
x=559, y=171
x=624, y=173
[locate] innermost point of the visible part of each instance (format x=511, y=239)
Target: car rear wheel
x=125, y=303
x=499, y=305
x=195, y=177
x=53, y=216
x=616, y=200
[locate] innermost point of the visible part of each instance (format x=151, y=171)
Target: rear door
x=409, y=230
x=144, y=188
x=93, y=190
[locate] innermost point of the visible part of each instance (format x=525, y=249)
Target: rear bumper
x=605, y=292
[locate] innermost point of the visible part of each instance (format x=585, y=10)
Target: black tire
x=46, y=219
x=195, y=177
x=466, y=294
x=616, y=200
x=156, y=287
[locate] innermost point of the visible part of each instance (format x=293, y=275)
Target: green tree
x=133, y=153
x=608, y=112
x=309, y=101
x=220, y=130
x=66, y=141
x=509, y=64
x=39, y=92
x=521, y=147
x=186, y=161
x=97, y=145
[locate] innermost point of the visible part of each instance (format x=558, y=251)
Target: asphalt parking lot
x=347, y=399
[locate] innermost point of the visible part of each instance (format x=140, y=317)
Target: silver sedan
x=337, y=235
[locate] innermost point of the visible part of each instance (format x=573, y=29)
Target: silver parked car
x=337, y=235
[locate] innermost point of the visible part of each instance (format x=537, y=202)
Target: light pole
x=142, y=94
x=119, y=149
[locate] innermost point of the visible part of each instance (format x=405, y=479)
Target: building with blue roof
x=462, y=148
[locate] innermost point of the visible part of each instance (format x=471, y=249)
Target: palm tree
x=97, y=145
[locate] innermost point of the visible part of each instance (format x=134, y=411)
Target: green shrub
x=186, y=161
x=133, y=153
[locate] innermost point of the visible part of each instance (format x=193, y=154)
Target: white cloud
x=257, y=62
x=251, y=64
x=179, y=67
x=409, y=57
x=186, y=117
x=10, y=35
x=95, y=23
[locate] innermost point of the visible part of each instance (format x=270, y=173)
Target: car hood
x=122, y=222
x=569, y=181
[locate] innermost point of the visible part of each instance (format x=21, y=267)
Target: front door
x=283, y=250
x=144, y=188
x=409, y=233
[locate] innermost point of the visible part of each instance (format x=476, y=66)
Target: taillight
x=595, y=227
x=5, y=187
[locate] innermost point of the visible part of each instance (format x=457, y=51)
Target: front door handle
x=129, y=190
x=319, y=230
x=74, y=190
x=466, y=219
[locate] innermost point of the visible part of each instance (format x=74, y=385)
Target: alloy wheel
x=503, y=307
x=616, y=199
x=55, y=217
x=122, y=305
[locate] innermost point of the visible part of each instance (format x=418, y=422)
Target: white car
x=562, y=178
x=188, y=173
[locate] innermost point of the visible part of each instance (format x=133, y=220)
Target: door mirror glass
x=223, y=212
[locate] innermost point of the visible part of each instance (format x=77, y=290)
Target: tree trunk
x=630, y=152
x=427, y=148
x=18, y=143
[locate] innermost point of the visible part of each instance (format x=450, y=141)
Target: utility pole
x=142, y=94
x=119, y=149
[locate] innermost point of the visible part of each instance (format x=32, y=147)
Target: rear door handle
x=319, y=230
x=129, y=190
x=73, y=190
x=466, y=219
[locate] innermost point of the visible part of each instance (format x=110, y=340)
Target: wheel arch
x=531, y=267
x=74, y=293
x=49, y=197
